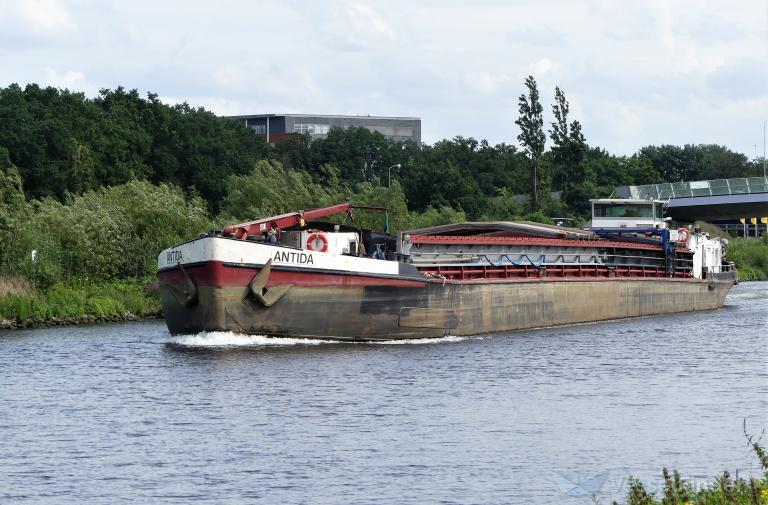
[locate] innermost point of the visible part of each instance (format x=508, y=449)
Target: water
x=128, y=414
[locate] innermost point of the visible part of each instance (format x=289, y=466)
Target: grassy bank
x=76, y=302
x=751, y=258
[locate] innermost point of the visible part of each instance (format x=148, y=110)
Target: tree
x=532, y=135
x=359, y=153
x=697, y=162
x=568, y=155
x=719, y=162
x=14, y=211
x=668, y=161
x=569, y=144
x=270, y=189
x=446, y=184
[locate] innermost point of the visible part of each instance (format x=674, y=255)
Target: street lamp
x=764, y=123
x=389, y=174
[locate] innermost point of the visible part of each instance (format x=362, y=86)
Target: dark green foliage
x=271, y=189
x=59, y=143
x=440, y=185
x=532, y=138
x=434, y=217
x=359, y=153
x=466, y=175
x=570, y=146
x=107, y=234
x=698, y=162
x=64, y=142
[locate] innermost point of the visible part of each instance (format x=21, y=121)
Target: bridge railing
x=691, y=189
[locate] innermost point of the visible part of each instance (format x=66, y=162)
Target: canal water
x=128, y=414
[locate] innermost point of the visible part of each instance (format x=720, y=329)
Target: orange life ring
x=312, y=244
x=683, y=235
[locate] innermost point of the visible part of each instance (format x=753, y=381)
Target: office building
x=276, y=127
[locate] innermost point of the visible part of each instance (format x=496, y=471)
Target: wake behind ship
x=294, y=276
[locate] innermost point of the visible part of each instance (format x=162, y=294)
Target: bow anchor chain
x=186, y=294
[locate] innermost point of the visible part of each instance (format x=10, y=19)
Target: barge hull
x=406, y=309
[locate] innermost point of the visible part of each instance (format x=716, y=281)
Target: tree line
x=64, y=143
x=97, y=186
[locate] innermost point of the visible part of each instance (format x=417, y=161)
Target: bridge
x=719, y=201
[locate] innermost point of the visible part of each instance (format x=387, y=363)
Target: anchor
x=186, y=295
x=258, y=287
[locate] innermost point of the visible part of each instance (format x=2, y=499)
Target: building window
x=312, y=129
x=259, y=128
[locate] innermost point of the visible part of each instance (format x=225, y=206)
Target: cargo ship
x=297, y=275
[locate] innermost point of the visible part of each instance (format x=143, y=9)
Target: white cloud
x=367, y=17
x=68, y=80
x=230, y=78
x=358, y=25
x=219, y=105
x=291, y=87
x=487, y=83
x=635, y=73
x=542, y=67
x=46, y=16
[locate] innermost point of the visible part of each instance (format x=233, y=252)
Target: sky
x=635, y=72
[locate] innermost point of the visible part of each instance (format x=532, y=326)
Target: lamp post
x=389, y=174
x=764, y=122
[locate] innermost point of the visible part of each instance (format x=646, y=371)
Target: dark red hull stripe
x=220, y=274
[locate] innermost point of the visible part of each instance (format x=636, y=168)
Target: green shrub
x=748, y=274
x=435, y=217
x=102, y=306
x=15, y=307
x=725, y=488
x=751, y=258
x=66, y=301
x=82, y=298
x=101, y=235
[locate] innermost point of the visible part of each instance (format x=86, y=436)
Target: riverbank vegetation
x=91, y=189
x=751, y=258
x=76, y=302
x=726, y=489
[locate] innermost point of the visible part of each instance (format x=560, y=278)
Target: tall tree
x=569, y=143
x=532, y=137
x=568, y=152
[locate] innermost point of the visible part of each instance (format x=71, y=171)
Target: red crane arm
x=242, y=230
